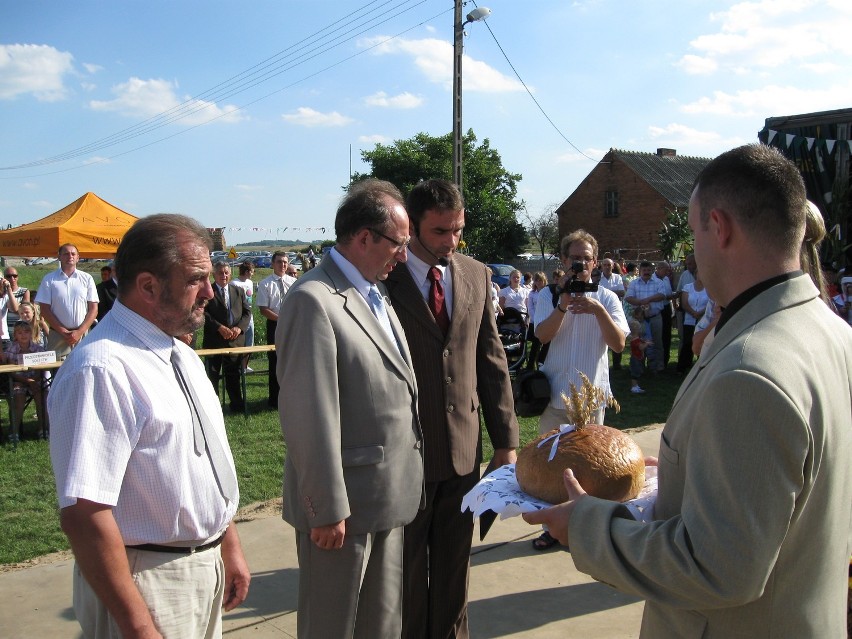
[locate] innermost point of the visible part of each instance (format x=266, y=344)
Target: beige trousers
x=183, y=592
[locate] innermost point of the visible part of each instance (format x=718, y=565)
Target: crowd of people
x=383, y=430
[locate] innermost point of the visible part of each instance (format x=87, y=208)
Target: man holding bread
x=751, y=536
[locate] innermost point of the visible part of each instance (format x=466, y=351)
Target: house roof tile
x=672, y=176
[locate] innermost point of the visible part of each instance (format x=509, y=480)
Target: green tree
x=675, y=236
x=492, y=231
x=544, y=229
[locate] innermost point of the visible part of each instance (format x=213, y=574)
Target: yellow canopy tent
x=94, y=226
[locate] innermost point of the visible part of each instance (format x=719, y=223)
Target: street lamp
x=477, y=14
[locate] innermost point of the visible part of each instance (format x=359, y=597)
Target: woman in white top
x=539, y=290
x=514, y=295
x=693, y=302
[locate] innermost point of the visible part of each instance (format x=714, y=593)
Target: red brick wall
x=641, y=210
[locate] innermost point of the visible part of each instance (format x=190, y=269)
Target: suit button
x=447, y=353
x=418, y=444
x=449, y=380
x=450, y=408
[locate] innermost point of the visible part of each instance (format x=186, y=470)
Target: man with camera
x=579, y=323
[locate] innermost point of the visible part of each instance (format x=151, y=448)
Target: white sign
x=31, y=359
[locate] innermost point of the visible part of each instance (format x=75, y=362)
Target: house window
x=611, y=204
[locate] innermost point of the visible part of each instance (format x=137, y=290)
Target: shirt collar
x=749, y=294
x=152, y=337
x=361, y=283
x=419, y=269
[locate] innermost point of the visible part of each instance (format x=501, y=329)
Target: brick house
x=624, y=200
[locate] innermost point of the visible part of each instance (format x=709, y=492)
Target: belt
x=179, y=550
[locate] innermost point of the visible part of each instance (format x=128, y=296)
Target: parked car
x=262, y=261
x=500, y=274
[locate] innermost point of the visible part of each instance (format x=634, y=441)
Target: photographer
x=579, y=323
x=8, y=303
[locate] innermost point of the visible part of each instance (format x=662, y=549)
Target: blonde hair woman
x=29, y=312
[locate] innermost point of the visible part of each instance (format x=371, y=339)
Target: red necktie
x=436, y=300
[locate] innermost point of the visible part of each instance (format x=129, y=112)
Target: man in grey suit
x=460, y=364
x=353, y=475
x=752, y=535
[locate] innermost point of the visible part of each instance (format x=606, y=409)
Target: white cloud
x=92, y=68
x=770, y=99
x=96, y=159
x=305, y=116
x=434, y=59
x=36, y=69
x=373, y=139
x=147, y=98
x=402, y=101
x=823, y=68
x=681, y=135
x=696, y=65
x=772, y=34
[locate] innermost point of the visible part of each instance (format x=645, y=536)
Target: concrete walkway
x=515, y=591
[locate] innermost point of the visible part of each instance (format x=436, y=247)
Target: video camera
x=579, y=286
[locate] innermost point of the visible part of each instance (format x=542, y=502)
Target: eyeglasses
x=399, y=244
x=581, y=258
x=11, y=275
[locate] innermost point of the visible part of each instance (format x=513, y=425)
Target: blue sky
x=269, y=161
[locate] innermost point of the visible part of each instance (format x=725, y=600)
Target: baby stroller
x=512, y=327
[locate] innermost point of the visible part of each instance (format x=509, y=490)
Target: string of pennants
x=278, y=229
x=790, y=139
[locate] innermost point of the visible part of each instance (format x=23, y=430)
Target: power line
x=313, y=46
x=524, y=84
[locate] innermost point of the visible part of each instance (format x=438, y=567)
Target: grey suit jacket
x=348, y=408
x=458, y=373
x=752, y=537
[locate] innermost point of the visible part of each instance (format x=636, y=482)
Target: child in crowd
x=29, y=313
x=638, y=345
x=24, y=382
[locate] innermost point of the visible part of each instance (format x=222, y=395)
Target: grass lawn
x=29, y=525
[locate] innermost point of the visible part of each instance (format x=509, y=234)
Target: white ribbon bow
x=563, y=429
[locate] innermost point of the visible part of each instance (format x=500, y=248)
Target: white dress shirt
x=269, y=291
x=122, y=435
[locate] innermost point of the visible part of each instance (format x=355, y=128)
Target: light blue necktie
x=377, y=305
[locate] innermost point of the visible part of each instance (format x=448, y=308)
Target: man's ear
x=722, y=225
x=148, y=287
x=362, y=238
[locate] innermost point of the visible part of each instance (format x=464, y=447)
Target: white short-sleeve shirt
x=578, y=346
x=121, y=434
x=68, y=295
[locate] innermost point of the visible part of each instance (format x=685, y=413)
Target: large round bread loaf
x=607, y=463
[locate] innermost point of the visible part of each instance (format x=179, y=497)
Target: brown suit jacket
x=457, y=374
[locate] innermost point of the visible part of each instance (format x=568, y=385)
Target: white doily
x=499, y=491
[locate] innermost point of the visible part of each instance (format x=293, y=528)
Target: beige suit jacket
x=348, y=409
x=752, y=537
